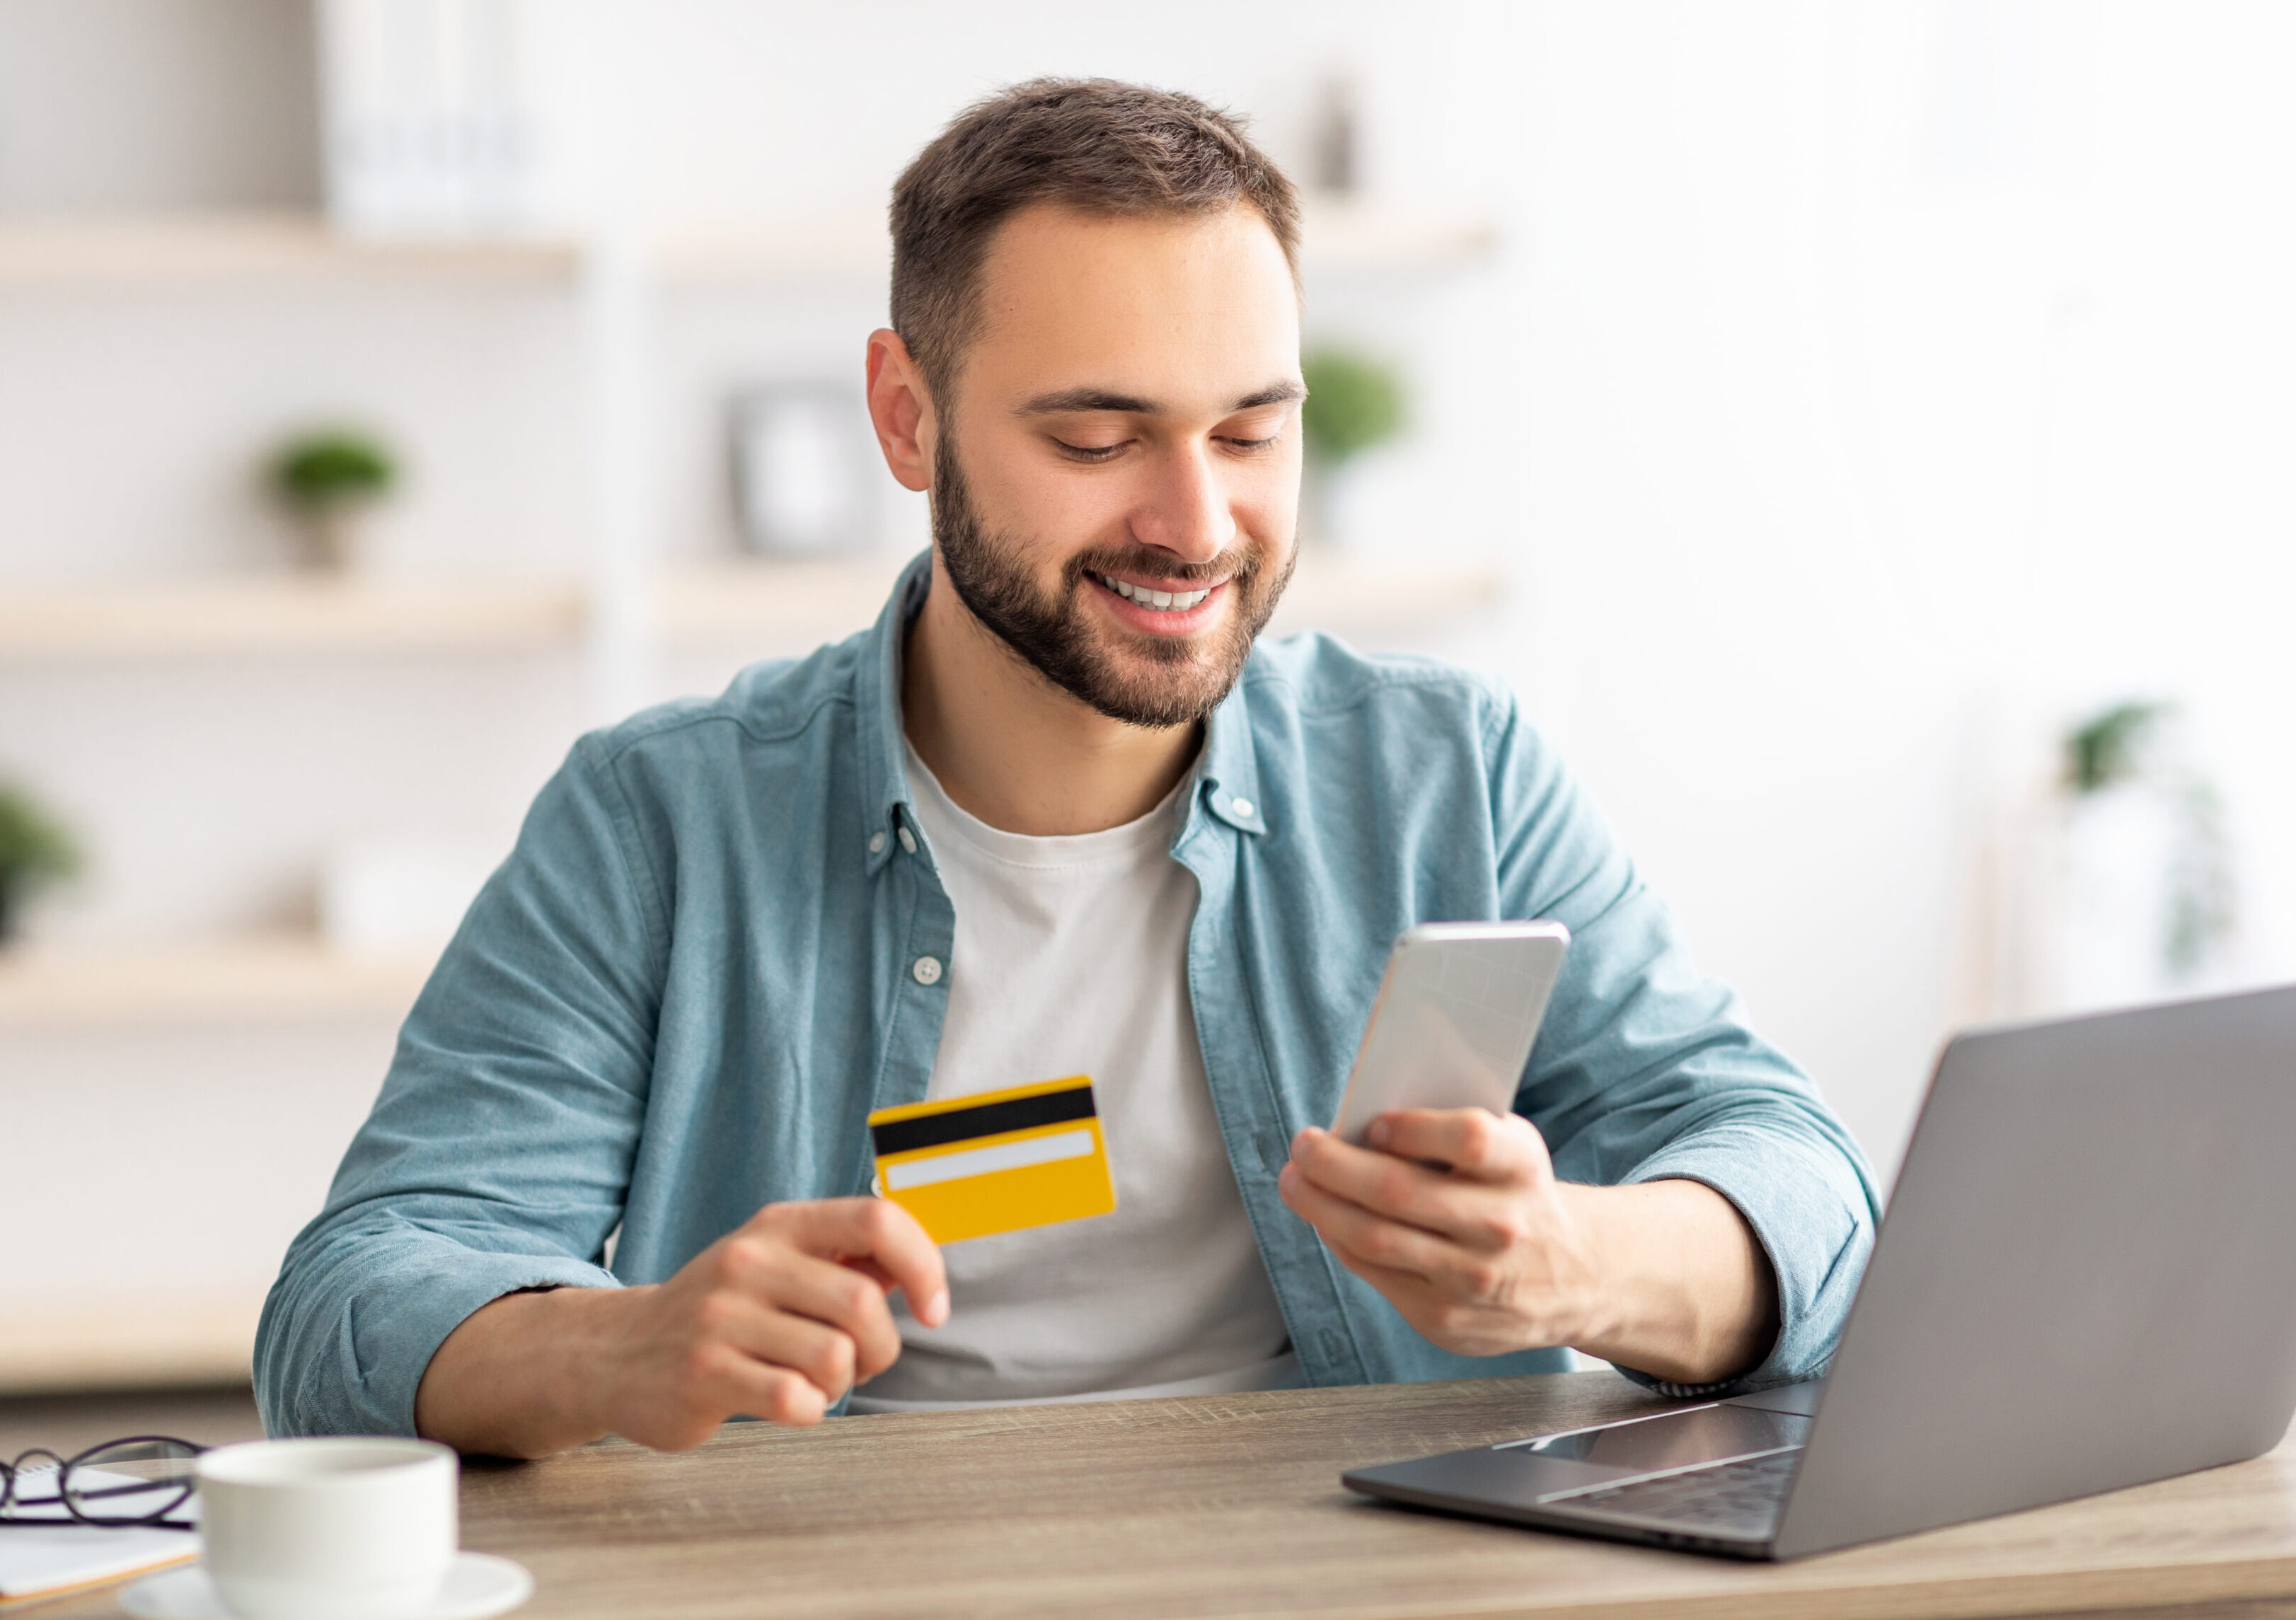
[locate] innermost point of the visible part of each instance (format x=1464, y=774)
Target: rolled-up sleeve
x=497, y=1156
x=1647, y=1069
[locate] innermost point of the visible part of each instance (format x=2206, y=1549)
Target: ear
x=901, y=410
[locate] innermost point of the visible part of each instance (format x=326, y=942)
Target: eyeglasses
x=120, y=1484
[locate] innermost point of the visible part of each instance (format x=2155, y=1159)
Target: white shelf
x=79, y=1346
x=286, y=614
x=1356, y=594
x=732, y=601
x=1339, y=234
x=1365, y=233
x=265, y=978
x=1335, y=234
x=828, y=243
x=196, y=246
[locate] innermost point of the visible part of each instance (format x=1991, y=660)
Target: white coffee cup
x=350, y=1529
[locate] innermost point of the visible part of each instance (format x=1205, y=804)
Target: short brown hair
x=1097, y=146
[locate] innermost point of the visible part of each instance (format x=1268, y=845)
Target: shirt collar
x=885, y=774
x=1229, y=780
x=1227, y=776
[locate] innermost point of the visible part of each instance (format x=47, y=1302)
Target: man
x=1056, y=813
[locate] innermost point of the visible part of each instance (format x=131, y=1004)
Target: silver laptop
x=2085, y=1282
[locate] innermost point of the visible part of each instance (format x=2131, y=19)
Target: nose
x=1186, y=510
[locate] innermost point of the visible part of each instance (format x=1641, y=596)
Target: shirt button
x=876, y=843
x=925, y=969
x=909, y=843
x=1243, y=808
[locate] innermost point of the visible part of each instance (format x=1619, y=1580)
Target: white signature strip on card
x=981, y=1161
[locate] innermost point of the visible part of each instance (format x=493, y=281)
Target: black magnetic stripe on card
x=989, y=1119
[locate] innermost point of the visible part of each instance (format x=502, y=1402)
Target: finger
x=838, y=1295
x=1484, y=1216
x=1416, y=1298
x=1464, y=1310
x=1470, y=1260
x=728, y=1382
x=825, y=1357
x=885, y=1281
x=1382, y=1182
x=871, y=1228
x=1420, y=1299
x=1473, y=1142
x=1349, y=1229
x=1462, y=1328
x=740, y=1315
x=869, y=1269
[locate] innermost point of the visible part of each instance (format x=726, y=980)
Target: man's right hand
x=777, y=1319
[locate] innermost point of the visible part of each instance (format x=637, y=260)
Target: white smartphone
x=1459, y=1007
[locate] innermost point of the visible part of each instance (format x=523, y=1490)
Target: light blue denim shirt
x=698, y=971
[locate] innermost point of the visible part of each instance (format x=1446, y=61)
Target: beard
x=1141, y=680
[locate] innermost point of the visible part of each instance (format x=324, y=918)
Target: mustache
x=1240, y=563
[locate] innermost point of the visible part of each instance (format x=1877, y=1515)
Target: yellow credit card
x=995, y=1161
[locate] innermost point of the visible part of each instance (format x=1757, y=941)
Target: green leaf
x=2109, y=749
x=1353, y=403
x=333, y=468
x=33, y=847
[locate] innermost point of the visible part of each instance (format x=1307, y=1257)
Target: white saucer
x=478, y=1586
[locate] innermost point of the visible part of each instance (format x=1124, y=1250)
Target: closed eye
x=1086, y=452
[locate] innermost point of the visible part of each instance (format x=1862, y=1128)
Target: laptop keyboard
x=1739, y=1499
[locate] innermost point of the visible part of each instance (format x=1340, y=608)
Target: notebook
x=38, y=1563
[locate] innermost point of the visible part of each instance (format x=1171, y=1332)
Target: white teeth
x=1169, y=601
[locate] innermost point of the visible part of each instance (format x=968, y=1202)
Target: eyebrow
x=1067, y=400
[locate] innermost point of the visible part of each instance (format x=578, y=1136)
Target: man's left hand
x=1455, y=1216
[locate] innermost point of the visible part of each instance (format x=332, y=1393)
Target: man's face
x=1115, y=478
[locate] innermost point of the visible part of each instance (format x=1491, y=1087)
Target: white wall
x=108, y=105
x=1903, y=385
x=1862, y=392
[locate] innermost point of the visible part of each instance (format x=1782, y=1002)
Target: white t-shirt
x=1071, y=958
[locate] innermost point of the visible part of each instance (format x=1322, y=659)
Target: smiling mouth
x=1157, y=601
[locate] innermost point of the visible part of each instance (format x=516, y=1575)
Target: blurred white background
x=1854, y=396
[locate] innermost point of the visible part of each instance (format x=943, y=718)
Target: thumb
x=1527, y=1146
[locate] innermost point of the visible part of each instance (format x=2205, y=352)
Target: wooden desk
x=1231, y=1505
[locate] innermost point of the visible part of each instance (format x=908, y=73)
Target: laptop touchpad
x=1678, y=1440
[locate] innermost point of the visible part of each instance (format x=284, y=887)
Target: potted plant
x=34, y=851
x=326, y=483
x=1354, y=403
x=2149, y=889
